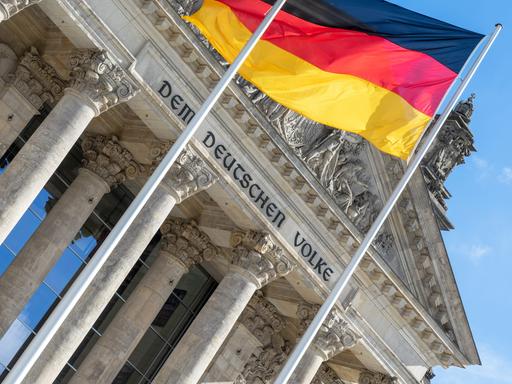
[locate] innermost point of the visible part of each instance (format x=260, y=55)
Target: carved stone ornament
x=326, y=375
x=97, y=77
x=36, y=80
x=262, y=319
x=367, y=377
x=257, y=256
x=454, y=143
x=186, y=242
x=188, y=176
x=9, y=8
x=265, y=364
x=335, y=335
x=331, y=154
x=109, y=160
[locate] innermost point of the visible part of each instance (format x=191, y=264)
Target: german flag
x=364, y=66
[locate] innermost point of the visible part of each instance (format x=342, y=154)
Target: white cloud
x=505, y=175
x=495, y=369
x=478, y=251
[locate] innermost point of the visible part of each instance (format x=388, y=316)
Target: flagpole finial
x=499, y=25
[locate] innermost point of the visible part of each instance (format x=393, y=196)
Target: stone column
x=96, y=85
x=188, y=176
x=256, y=261
x=105, y=164
x=9, y=8
x=368, y=377
x=30, y=84
x=182, y=246
x=334, y=337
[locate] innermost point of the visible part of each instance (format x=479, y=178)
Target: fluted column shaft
x=106, y=163
x=113, y=348
x=96, y=85
x=308, y=367
x=129, y=325
x=104, y=286
x=39, y=158
x=45, y=246
x=187, y=177
x=255, y=262
x=205, y=336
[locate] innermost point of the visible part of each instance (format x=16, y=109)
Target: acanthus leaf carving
x=108, y=159
x=37, y=80
x=326, y=375
x=256, y=255
x=8, y=8
x=368, y=377
x=183, y=240
x=335, y=334
x=98, y=78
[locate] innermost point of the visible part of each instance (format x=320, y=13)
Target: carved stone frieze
x=186, y=242
x=99, y=78
x=256, y=255
x=109, y=160
x=326, y=375
x=188, y=176
x=8, y=8
x=368, y=377
x=37, y=80
x=335, y=335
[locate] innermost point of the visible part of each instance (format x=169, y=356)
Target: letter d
x=209, y=140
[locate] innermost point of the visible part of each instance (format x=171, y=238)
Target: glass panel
x=83, y=349
x=149, y=347
x=6, y=257
x=128, y=375
x=108, y=314
x=22, y=232
x=3, y=372
x=42, y=204
x=191, y=283
x=12, y=341
x=131, y=281
x=63, y=271
x=170, y=317
x=65, y=375
x=36, y=308
x=158, y=362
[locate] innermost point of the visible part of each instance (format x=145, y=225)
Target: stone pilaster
x=105, y=164
x=368, y=377
x=182, y=246
x=112, y=274
x=256, y=260
x=26, y=87
x=334, y=336
x=97, y=84
x=8, y=8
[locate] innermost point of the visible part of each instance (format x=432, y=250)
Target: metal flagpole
x=325, y=309
x=79, y=286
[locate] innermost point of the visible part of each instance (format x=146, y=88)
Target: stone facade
x=205, y=287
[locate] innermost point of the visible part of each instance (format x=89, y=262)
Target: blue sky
x=481, y=206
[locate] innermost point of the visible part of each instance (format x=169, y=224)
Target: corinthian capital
x=368, y=377
x=326, y=375
x=335, y=335
x=9, y=8
x=188, y=176
x=186, y=242
x=96, y=76
x=258, y=257
x=105, y=157
x=36, y=80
